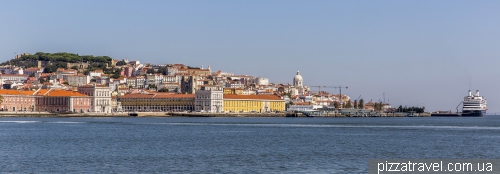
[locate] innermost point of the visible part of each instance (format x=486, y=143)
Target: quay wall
x=182, y=114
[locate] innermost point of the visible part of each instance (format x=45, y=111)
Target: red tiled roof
x=15, y=92
x=57, y=93
x=169, y=95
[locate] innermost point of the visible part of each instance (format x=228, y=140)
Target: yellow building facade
x=253, y=103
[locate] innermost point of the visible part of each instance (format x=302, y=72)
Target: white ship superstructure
x=474, y=105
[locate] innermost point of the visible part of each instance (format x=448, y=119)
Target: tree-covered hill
x=60, y=60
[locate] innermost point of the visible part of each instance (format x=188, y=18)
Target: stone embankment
x=186, y=114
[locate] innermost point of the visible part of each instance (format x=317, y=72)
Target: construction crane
x=358, y=98
x=319, y=88
x=340, y=88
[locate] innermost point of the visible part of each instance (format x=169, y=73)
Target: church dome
x=297, y=77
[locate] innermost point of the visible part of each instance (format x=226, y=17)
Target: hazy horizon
x=419, y=53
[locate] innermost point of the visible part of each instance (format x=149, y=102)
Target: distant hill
x=61, y=60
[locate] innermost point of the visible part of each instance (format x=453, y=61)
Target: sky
x=418, y=53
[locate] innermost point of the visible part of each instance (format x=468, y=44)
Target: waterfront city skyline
x=416, y=52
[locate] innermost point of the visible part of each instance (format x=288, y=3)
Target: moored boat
x=474, y=105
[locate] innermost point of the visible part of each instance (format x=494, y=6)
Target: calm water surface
x=236, y=145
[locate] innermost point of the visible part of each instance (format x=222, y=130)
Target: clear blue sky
x=416, y=52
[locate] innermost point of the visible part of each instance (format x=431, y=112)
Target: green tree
x=348, y=104
x=49, y=69
x=163, y=70
x=378, y=106
x=355, y=104
x=121, y=63
x=336, y=104
x=163, y=90
x=115, y=76
x=61, y=64
x=361, y=104
x=150, y=71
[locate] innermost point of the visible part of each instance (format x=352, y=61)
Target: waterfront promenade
x=185, y=114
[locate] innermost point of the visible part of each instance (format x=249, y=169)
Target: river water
x=236, y=145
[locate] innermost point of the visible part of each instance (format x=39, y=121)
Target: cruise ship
x=474, y=105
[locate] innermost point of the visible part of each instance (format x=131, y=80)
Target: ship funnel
x=470, y=93
x=477, y=93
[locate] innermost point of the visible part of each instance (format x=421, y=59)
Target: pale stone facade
x=101, y=97
x=209, y=99
x=77, y=79
x=261, y=81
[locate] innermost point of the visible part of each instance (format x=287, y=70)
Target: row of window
x=157, y=108
x=15, y=99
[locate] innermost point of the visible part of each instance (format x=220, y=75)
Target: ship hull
x=473, y=113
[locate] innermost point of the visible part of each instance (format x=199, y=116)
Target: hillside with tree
x=61, y=60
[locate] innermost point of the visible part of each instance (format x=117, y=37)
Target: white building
x=95, y=74
x=140, y=81
x=209, y=99
x=171, y=78
x=60, y=74
x=102, y=80
x=303, y=107
x=131, y=81
x=14, y=78
x=261, y=81
x=77, y=80
x=172, y=70
x=7, y=69
x=18, y=71
x=33, y=70
x=101, y=97
x=235, y=84
x=294, y=91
